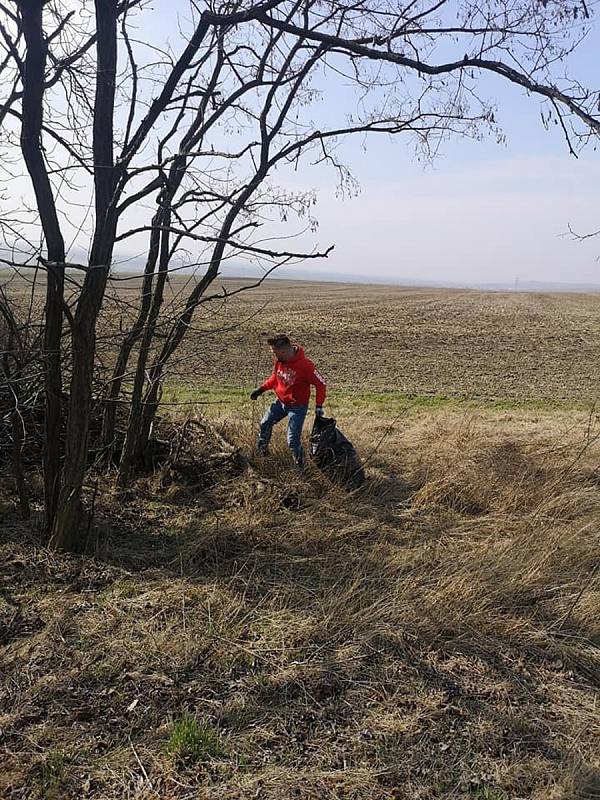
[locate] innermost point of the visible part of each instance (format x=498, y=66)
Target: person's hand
x=319, y=411
x=255, y=394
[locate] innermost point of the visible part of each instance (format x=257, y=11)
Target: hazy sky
x=479, y=220
x=482, y=212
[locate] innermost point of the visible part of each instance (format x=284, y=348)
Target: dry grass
x=434, y=635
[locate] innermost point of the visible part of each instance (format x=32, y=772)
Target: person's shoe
x=262, y=449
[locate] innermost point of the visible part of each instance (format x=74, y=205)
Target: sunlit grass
x=215, y=399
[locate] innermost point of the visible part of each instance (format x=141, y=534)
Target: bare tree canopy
x=116, y=145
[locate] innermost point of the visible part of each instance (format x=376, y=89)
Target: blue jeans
x=296, y=416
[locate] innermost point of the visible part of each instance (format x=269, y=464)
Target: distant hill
x=327, y=276
x=342, y=277
x=540, y=286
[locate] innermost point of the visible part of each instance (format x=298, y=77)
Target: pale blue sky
x=482, y=212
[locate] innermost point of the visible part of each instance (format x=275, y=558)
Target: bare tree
x=179, y=151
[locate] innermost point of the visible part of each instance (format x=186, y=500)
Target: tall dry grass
x=432, y=635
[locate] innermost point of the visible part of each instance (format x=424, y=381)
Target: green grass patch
x=192, y=741
x=52, y=775
x=211, y=395
x=215, y=399
x=485, y=793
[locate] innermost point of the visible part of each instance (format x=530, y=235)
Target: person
x=293, y=375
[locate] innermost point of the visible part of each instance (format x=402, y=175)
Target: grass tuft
x=52, y=775
x=486, y=793
x=193, y=742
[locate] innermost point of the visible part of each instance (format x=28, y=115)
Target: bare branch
x=421, y=67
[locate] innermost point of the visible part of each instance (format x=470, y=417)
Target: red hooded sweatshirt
x=291, y=380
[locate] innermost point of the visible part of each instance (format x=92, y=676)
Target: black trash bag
x=334, y=454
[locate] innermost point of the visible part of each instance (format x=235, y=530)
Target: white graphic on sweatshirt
x=288, y=376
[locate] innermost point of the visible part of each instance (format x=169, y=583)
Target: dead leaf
x=132, y=705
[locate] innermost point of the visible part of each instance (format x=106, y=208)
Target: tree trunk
x=66, y=531
x=131, y=452
x=136, y=442
x=181, y=326
x=53, y=379
x=31, y=146
x=110, y=408
x=151, y=400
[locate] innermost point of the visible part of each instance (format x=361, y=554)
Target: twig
x=145, y=774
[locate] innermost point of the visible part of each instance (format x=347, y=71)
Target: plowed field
x=415, y=341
